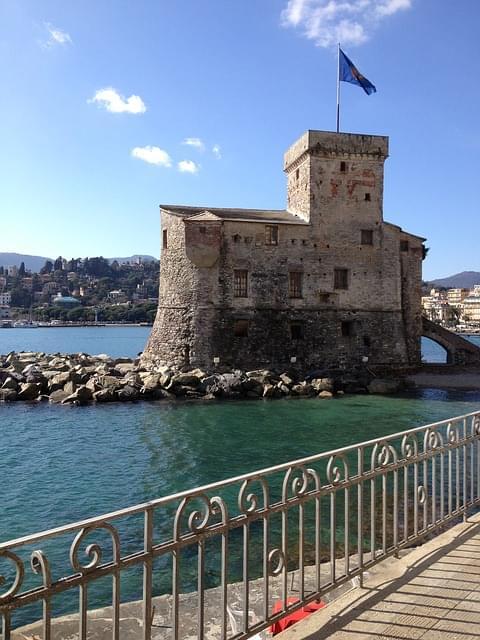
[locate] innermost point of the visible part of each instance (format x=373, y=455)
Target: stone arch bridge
x=459, y=350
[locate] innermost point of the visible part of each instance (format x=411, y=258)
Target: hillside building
x=324, y=283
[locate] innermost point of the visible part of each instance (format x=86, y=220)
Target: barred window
x=366, y=236
x=240, y=283
x=340, y=279
x=240, y=328
x=295, y=279
x=271, y=234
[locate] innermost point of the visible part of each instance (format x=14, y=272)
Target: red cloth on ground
x=292, y=618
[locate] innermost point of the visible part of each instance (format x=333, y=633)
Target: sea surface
x=120, y=341
x=61, y=463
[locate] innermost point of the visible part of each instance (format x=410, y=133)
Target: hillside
x=35, y=263
x=465, y=280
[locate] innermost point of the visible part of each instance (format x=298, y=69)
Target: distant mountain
x=134, y=258
x=464, y=280
x=33, y=263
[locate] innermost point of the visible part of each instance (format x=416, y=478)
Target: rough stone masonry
x=326, y=283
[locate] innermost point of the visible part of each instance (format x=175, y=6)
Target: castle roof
x=275, y=216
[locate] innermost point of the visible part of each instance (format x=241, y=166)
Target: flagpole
x=338, y=88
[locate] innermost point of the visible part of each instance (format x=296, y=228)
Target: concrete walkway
x=432, y=593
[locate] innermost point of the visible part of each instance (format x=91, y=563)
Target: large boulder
x=81, y=396
x=59, y=381
x=29, y=390
x=322, y=384
x=8, y=395
x=127, y=394
x=58, y=396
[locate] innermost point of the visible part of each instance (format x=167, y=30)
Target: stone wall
x=335, y=186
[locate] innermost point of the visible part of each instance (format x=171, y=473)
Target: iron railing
x=261, y=544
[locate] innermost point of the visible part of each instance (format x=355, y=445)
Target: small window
x=366, y=341
x=164, y=239
x=295, y=279
x=340, y=280
x=240, y=328
x=203, y=229
x=296, y=331
x=240, y=283
x=271, y=234
x=297, y=174
x=403, y=245
x=347, y=328
x=343, y=166
x=236, y=238
x=366, y=236
x=367, y=197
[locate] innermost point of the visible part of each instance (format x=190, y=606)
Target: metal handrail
x=328, y=517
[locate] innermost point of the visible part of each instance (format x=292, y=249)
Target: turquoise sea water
x=61, y=464
x=117, y=341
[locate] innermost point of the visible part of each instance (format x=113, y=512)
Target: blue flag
x=348, y=72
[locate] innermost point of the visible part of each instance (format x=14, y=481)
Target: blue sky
x=111, y=107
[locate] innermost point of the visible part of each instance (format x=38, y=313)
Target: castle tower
x=326, y=282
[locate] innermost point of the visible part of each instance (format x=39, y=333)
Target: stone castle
x=325, y=283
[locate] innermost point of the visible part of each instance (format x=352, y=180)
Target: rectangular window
x=240, y=283
x=271, y=234
x=343, y=166
x=367, y=197
x=366, y=236
x=347, y=328
x=295, y=279
x=296, y=331
x=164, y=239
x=403, y=245
x=340, y=280
x=240, y=328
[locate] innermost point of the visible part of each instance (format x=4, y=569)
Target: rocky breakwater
x=83, y=379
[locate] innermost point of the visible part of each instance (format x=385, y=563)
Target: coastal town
x=457, y=309
x=81, y=291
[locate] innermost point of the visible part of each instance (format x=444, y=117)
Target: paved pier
x=432, y=593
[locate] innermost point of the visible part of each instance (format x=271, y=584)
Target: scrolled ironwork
x=476, y=425
x=248, y=501
x=383, y=454
x=295, y=486
x=409, y=446
x=19, y=573
x=197, y=519
x=337, y=469
x=41, y=566
x=453, y=433
x=93, y=551
x=433, y=439
x=276, y=555
x=421, y=494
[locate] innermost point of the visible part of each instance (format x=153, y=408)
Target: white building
x=471, y=309
x=5, y=298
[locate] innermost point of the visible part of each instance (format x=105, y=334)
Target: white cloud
x=56, y=36
x=217, y=152
x=152, y=155
x=194, y=142
x=349, y=22
x=116, y=103
x=188, y=166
